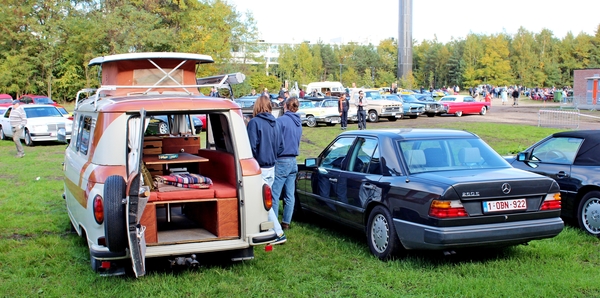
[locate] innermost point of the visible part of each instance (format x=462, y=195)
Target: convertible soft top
x=588, y=153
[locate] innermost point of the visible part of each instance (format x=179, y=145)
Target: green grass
x=40, y=257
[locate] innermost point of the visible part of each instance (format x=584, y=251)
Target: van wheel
x=381, y=234
x=372, y=116
x=114, y=214
x=28, y=140
x=588, y=213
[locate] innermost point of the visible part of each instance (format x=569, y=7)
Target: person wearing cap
x=18, y=122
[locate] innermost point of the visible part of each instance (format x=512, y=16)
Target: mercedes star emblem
x=506, y=188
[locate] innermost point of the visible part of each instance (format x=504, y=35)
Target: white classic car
x=43, y=121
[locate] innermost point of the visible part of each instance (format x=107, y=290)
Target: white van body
x=117, y=168
x=334, y=88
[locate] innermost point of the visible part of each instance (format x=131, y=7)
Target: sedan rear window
x=449, y=154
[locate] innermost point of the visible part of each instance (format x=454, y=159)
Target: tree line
x=45, y=47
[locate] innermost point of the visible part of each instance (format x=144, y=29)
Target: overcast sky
x=351, y=20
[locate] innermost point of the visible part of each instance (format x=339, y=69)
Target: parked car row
x=43, y=123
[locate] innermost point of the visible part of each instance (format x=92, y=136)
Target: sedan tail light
x=551, y=202
x=447, y=209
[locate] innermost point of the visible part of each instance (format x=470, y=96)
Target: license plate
x=505, y=205
x=52, y=134
x=393, y=114
x=336, y=120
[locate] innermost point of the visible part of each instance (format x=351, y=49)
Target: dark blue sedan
x=430, y=189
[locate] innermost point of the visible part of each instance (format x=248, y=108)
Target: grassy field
x=40, y=257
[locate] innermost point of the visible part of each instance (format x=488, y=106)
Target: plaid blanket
x=185, y=180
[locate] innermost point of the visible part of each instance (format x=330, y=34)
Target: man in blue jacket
x=286, y=167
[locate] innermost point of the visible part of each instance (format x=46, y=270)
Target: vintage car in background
x=430, y=189
x=572, y=158
x=378, y=107
x=5, y=100
x=36, y=99
x=411, y=109
x=464, y=104
x=321, y=111
x=43, y=122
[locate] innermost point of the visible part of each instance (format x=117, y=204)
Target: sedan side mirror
x=310, y=162
x=522, y=156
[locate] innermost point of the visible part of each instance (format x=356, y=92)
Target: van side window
x=83, y=136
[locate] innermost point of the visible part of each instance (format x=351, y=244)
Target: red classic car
x=464, y=104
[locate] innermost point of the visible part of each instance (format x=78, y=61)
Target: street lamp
x=341, y=72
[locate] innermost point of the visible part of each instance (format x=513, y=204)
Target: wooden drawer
x=181, y=144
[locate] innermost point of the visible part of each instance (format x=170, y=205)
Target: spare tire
x=115, y=228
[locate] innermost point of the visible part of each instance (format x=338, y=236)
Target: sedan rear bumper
x=417, y=236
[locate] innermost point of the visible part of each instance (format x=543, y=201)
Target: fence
x=559, y=118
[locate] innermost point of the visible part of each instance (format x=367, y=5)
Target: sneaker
x=285, y=226
x=280, y=239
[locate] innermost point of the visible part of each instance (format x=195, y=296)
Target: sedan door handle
x=368, y=186
x=332, y=179
x=562, y=175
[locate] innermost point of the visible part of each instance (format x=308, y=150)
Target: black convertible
x=572, y=158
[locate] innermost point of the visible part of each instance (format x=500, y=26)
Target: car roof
x=413, y=133
x=588, y=153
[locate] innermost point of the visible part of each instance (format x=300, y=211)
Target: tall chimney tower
x=405, y=38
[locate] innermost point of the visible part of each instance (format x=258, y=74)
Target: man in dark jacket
x=286, y=168
x=515, y=96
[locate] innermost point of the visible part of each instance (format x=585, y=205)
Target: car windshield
x=5, y=100
x=448, y=99
x=373, y=95
x=410, y=98
x=42, y=112
x=450, y=154
x=306, y=104
x=44, y=100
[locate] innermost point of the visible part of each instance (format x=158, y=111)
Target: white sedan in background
x=43, y=121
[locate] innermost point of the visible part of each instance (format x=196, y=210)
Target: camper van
x=142, y=180
x=326, y=88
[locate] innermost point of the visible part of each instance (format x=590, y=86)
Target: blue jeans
x=285, y=175
x=268, y=176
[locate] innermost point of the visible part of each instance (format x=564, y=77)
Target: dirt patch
x=525, y=113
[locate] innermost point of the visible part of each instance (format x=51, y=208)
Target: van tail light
x=267, y=197
x=551, y=202
x=98, y=209
x=447, y=209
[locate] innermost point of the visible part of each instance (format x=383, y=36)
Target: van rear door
x=136, y=197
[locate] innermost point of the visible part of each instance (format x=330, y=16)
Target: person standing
x=263, y=133
x=286, y=167
x=343, y=107
x=18, y=122
x=301, y=94
x=504, y=94
x=361, y=104
x=515, y=96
